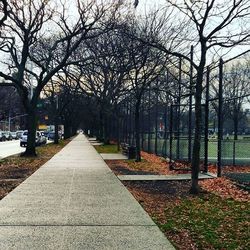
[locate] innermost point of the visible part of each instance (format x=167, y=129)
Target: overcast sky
x=146, y=5
x=149, y=4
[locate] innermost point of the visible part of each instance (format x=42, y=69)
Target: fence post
x=132, y=123
x=118, y=132
x=206, y=121
x=190, y=106
x=165, y=130
x=220, y=127
x=234, y=152
x=171, y=138
x=126, y=121
x=149, y=120
x=165, y=119
x=156, y=119
x=142, y=122
x=178, y=111
x=122, y=122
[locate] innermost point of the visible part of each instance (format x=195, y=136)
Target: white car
x=2, y=136
x=19, y=133
x=43, y=138
x=14, y=135
x=24, y=138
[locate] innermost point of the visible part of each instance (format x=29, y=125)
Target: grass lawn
x=212, y=222
x=110, y=148
x=241, y=148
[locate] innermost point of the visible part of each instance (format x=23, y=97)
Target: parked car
x=14, y=135
x=45, y=133
x=51, y=136
x=2, y=136
x=8, y=135
x=24, y=139
x=43, y=138
x=19, y=133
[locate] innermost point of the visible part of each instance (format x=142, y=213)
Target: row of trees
x=103, y=55
x=39, y=39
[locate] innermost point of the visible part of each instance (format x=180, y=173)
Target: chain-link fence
x=167, y=122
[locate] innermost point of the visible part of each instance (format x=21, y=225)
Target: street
x=8, y=148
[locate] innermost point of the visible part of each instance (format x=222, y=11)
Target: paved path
x=117, y=156
x=163, y=177
x=74, y=201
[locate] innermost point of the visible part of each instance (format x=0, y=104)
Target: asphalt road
x=8, y=148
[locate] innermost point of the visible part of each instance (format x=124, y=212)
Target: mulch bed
x=224, y=187
x=151, y=164
x=120, y=167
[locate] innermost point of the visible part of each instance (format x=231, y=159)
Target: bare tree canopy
x=214, y=28
x=136, y=2
x=40, y=38
x=3, y=11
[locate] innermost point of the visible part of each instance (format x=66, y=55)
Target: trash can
x=131, y=152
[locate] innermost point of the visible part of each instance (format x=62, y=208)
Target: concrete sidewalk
x=155, y=177
x=74, y=201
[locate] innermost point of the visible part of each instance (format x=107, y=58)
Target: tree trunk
x=31, y=140
x=56, y=139
x=198, y=118
x=67, y=132
x=118, y=133
x=106, y=137
x=137, y=131
x=101, y=129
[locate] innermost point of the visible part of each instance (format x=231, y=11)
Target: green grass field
x=241, y=148
x=110, y=148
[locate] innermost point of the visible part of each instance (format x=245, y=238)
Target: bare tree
x=147, y=64
x=51, y=93
x=103, y=77
x=65, y=102
x=36, y=55
x=4, y=11
x=211, y=26
x=235, y=94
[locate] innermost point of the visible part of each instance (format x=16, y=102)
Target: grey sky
x=147, y=5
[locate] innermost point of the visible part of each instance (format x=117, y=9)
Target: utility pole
x=11, y=118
